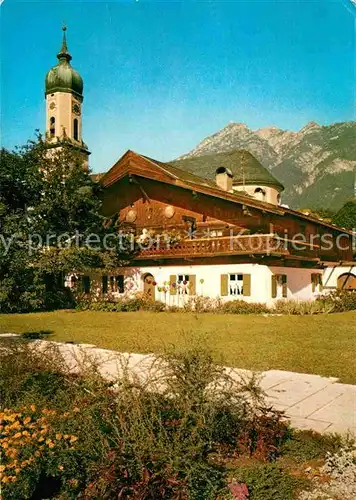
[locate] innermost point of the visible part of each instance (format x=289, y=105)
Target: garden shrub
x=264, y=434
x=338, y=301
x=201, y=304
x=243, y=307
x=299, y=307
x=134, y=303
x=83, y=437
x=268, y=482
x=309, y=445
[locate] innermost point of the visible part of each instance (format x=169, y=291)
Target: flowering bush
x=35, y=450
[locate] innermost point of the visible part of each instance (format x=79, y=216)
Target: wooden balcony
x=252, y=244
x=262, y=244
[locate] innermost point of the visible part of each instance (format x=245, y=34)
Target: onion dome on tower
x=62, y=77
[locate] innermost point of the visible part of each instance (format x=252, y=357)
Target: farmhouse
x=211, y=225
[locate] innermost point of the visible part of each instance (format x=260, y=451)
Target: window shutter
x=247, y=285
x=192, y=284
x=173, y=284
x=321, y=286
x=104, y=284
x=274, y=286
x=284, y=286
x=224, y=285
x=313, y=282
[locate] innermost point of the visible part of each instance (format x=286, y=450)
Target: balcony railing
x=253, y=244
x=229, y=245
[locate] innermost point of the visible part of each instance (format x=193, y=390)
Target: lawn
x=321, y=344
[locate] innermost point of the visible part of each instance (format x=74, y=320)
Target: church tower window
x=52, y=126
x=75, y=129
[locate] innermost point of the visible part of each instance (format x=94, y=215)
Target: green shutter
x=274, y=286
x=192, y=284
x=284, y=286
x=224, y=285
x=321, y=286
x=104, y=284
x=247, y=285
x=173, y=284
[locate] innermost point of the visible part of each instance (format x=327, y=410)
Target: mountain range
x=317, y=164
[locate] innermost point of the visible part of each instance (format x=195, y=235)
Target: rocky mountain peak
x=309, y=126
x=316, y=164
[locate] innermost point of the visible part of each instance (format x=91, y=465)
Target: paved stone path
x=309, y=401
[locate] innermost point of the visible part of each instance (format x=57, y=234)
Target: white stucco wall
x=271, y=193
x=298, y=281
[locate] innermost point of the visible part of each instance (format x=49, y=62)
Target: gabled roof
x=134, y=164
x=245, y=168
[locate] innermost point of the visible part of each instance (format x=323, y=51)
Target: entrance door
x=148, y=286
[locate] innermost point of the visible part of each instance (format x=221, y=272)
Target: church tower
x=64, y=98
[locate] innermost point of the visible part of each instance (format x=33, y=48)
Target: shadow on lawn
x=36, y=335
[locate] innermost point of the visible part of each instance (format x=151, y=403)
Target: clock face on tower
x=52, y=105
x=76, y=108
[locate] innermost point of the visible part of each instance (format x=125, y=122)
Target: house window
x=317, y=282
x=279, y=286
x=52, y=126
x=183, y=284
x=75, y=129
x=86, y=284
x=236, y=284
x=117, y=283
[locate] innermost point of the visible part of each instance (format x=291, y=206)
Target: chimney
x=223, y=178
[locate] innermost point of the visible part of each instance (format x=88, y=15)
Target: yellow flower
x=51, y=445
x=33, y=407
x=40, y=439
x=5, y=445
x=66, y=436
x=76, y=410
x=17, y=471
x=37, y=453
x=17, y=435
x=73, y=439
x=60, y=467
x=2, y=468
x=59, y=436
x=27, y=420
x=11, y=452
x=5, y=479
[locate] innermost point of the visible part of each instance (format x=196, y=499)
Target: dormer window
x=260, y=193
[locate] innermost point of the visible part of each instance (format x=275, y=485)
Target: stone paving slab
x=309, y=401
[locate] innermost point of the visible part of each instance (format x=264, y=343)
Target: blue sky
x=161, y=76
